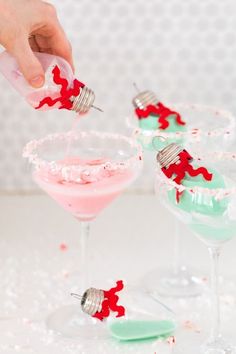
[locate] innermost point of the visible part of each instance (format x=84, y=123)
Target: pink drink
x=85, y=200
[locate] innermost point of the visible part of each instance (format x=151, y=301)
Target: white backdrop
x=185, y=50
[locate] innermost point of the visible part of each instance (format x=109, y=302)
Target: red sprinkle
x=63, y=247
x=191, y=326
x=171, y=340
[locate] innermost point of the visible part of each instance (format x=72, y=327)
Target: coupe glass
x=209, y=210
x=206, y=127
x=83, y=172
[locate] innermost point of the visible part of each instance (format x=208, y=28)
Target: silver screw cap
x=84, y=101
x=169, y=155
x=92, y=300
x=144, y=99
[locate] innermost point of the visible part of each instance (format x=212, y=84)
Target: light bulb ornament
x=176, y=162
x=100, y=303
x=79, y=98
x=146, y=104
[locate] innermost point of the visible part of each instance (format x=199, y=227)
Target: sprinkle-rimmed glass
x=209, y=210
x=206, y=127
x=83, y=172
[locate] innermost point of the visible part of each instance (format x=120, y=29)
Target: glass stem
x=214, y=255
x=177, y=255
x=84, y=264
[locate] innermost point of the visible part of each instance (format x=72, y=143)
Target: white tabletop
x=131, y=237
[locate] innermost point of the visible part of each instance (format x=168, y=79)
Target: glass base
x=171, y=284
x=70, y=321
x=218, y=346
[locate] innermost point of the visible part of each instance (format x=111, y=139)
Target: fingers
x=60, y=45
x=40, y=19
x=56, y=38
x=28, y=63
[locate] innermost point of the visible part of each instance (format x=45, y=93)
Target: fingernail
x=37, y=81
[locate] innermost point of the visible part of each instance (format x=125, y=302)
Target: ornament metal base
x=71, y=322
x=179, y=284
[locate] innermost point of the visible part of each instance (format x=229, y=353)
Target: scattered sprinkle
x=191, y=326
x=65, y=274
x=171, y=340
x=63, y=247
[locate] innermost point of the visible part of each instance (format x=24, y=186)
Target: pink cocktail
x=83, y=172
x=88, y=196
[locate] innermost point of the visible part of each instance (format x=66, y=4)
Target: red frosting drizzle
x=110, y=302
x=182, y=167
x=163, y=113
x=178, y=195
x=65, y=92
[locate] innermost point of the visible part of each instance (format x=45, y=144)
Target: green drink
x=205, y=214
x=151, y=125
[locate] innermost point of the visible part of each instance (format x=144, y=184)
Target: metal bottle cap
x=144, y=99
x=169, y=155
x=91, y=301
x=84, y=101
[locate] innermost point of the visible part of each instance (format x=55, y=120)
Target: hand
x=32, y=25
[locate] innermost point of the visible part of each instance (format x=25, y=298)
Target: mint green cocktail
x=209, y=210
x=206, y=127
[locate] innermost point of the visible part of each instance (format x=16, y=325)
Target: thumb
x=28, y=63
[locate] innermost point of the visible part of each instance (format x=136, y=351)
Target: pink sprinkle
x=171, y=340
x=63, y=247
x=65, y=274
x=191, y=326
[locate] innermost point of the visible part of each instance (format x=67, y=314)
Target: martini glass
x=209, y=210
x=83, y=172
x=206, y=127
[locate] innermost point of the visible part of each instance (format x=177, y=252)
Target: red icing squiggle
x=65, y=92
x=163, y=113
x=110, y=302
x=182, y=167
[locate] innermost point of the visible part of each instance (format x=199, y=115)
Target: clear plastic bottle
x=61, y=88
x=129, y=313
